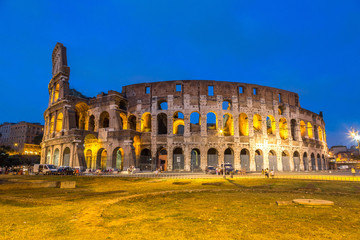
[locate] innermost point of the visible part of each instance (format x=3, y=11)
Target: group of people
x=268, y=173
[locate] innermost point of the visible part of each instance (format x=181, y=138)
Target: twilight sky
x=311, y=47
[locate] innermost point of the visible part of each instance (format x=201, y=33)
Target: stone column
x=129, y=154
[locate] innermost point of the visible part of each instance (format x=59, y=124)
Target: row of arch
x=103, y=160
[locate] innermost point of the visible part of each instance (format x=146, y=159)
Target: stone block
x=68, y=184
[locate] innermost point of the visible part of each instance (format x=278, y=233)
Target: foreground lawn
x=119, y=208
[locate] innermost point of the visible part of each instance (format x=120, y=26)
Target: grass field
x=120, y=208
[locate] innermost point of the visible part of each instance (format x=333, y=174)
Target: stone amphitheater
x=182, y=125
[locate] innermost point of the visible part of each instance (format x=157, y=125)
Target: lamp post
x=221, y=132
x=356, y=137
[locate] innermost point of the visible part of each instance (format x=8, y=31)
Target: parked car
x=47, y=169
x=210, y=170
x=228, y=168
x=65, y=170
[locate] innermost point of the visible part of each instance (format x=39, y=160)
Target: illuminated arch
x=283, y=128
x=56, y=93
x=270, y=125
x=320, y=133
x=243, y=125
x=124, y=122
x=310, y=130
x=81, y=110
x=146, y=122
x=59, y=122
x=118, y=158
x=88, y=158
x=52, y=124
x=257, y=122
x=178, y=123
x=228, y=125
x=302, y=128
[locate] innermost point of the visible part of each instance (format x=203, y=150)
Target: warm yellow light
x=15, y=144
x=221, y=131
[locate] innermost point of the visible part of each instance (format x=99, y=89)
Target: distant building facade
x=22, y=137
x=180, y=125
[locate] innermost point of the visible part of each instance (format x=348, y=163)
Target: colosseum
x=182, y=125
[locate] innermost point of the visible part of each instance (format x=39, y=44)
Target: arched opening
x=243, y=125
x=226, y=105
x=48, y=157
x=228, y=125
x=81, y=110
x=283, y=128
x=118, y=159
x=89, y=160
x=211, y=121
x=92, y=123
x=320, y=133
x=132, y=122
x=162, y=123
x=293, y=129
x=178, y=159
x=59, y=122
x=285, y=158
x=272, y=160
x=195, y=159
x=280, y=110
x=259, y=160
x=324, y=167
x=212, y=157
x=245, y=160
x=178, y=123
x=162, y=105
x=52, y=124
x=146, y=122
x=145, y=160
x=195, y=122
x=318, y=162
x=101, y=159
x=306, y=162
x=104, y=120
x=56, y=157
x=257, y=123
x=56, y=93
x=66, y=157
x=310, y=130
x=123, y=105
x=302, y=128
x=229, y=156
x=270, y=125
x=162, y=159
x=123, y=121
x=313, y=164
x=296, y=160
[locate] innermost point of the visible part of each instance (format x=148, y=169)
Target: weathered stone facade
x=185, y=124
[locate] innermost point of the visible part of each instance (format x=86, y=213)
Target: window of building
x=280, y=99
x=211, y=90
x=254, y=91
x=241, y=90
x=147, y=90
x=178, y=87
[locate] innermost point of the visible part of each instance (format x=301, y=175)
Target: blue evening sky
x=311, y=47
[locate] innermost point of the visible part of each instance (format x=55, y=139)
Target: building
x=22, y=137
x=180, y=125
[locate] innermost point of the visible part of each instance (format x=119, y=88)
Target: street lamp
x=221, y=132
